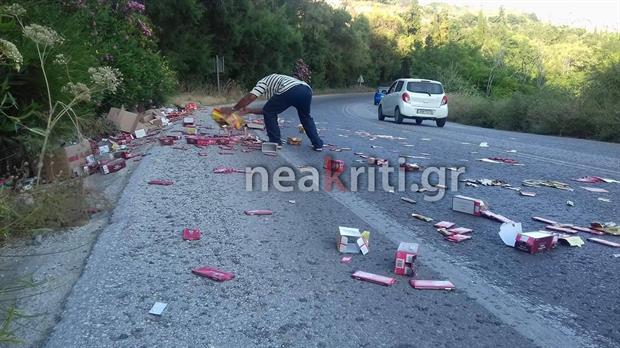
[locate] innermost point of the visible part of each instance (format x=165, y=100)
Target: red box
x=335, y=166
x=166, y=141
x=405, y=257
x=191, y=106
x=537, y=241
x=113, y=166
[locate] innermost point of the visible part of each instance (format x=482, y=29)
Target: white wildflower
x=80, y=91
x=15, y=10
x=43, y=35
x=60, y=59
x=10, y=53
x=106, y=78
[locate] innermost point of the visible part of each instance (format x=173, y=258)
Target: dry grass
x=209, y=95
x=231, y=92
x=52, y=206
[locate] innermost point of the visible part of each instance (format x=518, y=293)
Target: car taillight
x=406, y=97
x=444, y=100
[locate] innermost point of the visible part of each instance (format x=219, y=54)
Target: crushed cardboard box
x=351, y=241
x=123, y=120
x=533, y=242
x=68, y=161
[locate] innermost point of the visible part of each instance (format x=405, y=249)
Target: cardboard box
x=405, y=257
x=512, y=235
x=124, y=120
x=468, y=205
x=67, y=161
x=349, y=240
x=113, y=114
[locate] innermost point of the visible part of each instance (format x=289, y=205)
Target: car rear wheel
x=380, y=113
x=398, y=118
x=418, y=121
x=441, y=122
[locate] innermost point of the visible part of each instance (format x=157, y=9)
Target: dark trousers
x=299, y=97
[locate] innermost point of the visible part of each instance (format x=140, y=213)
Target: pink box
x=213, y=273
x=373, y=278
x=191, y=234
x=460, y=230
x=445, y=224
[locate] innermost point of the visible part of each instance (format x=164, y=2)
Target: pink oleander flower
x=135, y=6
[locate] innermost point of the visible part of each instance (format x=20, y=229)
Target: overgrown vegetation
x=529, y=75
x=55, y=206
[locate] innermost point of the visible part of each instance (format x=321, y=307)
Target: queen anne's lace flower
x=15, y=10
x=60, y=59
x=106, y=78
x=80, y=91
x=9, y=53
x=43, y=35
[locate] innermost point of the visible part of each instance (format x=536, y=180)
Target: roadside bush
x=86, y=34
x=471, y=109
x=547, y=112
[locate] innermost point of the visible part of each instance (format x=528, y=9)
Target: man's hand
x=226, y=110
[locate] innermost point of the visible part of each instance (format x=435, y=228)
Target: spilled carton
x=405, y=257
x=533, y=242
x=269, y=148
x=468, y=205
x=351, y=241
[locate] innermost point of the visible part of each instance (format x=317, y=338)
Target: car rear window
x=424, y=87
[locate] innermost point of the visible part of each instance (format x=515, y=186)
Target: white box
x=140, y=133
x=468, y=205
x=349, y=239
x=269, y=148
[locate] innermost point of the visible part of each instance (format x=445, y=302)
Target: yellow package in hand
x=233, y=120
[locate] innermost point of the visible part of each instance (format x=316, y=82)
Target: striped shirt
x=275, y=84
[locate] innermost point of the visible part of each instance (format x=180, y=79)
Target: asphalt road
x=290, y=288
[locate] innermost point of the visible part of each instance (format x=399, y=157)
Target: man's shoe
x=317, y=148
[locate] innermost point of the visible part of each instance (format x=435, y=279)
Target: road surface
x=290, y=288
